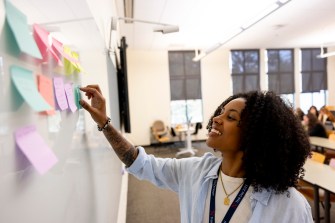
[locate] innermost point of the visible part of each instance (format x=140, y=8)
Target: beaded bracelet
x=105, y=126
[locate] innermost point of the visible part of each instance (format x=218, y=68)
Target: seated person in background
x=326, y=116
x=313, y=110
x=299, y=113
x=314, y=126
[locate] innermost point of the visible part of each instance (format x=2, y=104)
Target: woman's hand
x=97, y=109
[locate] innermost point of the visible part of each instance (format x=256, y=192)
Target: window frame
x=244, y=75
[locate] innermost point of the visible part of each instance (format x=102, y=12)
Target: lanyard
x=232, y=207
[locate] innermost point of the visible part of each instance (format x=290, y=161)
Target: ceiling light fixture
x=162, y=27
x=325, y=55
x=251, y=22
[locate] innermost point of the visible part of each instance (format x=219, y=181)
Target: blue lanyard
x=232, y=207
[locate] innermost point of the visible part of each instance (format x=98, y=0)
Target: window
x=280, y=70
x=318, y=99
x=245, y=70
x=313, y=71
x=313, y=79
x=185, y=87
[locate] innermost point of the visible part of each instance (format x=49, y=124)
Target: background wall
x=149, y=87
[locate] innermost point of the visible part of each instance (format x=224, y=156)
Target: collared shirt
x=191, y=178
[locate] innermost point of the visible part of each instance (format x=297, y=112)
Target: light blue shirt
x=191, y=179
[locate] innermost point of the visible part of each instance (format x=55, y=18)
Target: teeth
x=216, y=131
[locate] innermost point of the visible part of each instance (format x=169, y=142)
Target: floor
x=149, y=204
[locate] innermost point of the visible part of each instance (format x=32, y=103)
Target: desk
x=322, y=142
x=321, y=176
x=188, y=140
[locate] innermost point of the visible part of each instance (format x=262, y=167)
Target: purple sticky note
x=35, y=149
x=70, y=97
x=60, y=93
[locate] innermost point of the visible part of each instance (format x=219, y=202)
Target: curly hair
x=274, y=143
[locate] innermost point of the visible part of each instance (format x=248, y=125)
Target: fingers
x=95, y=86
x=91, y=91
x=85, y=105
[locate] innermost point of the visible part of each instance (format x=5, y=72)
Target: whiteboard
x=84, y=185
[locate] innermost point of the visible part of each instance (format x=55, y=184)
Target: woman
x=314, y=126
x=299, y=113
x=263, y=148
x=313, y=110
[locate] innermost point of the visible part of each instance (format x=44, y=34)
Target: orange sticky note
x=45, y=87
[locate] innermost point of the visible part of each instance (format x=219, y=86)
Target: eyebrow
x=231, y=110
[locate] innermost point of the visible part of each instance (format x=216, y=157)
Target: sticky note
x=24, y=82
x=46, y=90
x=41, y=37
x=19, y=26
x=60, y=93
x=35, y=148
x=70, y=97
x=77, y=97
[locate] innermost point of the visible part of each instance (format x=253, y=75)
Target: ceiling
x=202, y=23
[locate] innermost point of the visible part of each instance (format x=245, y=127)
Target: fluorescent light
x=163, y=27
x=166, y=29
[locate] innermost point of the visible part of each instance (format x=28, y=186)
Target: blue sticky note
x=18, y=24
x=24, y=82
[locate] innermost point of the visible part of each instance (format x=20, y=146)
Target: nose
x=217, y=120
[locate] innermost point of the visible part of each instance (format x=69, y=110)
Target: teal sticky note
x=18, y=24
x=77, y=97
x=24, y=82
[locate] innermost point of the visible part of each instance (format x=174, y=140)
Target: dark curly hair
x=274, y=142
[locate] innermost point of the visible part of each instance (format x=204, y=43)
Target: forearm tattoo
x=126, y=152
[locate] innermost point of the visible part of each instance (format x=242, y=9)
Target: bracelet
x=105, y=126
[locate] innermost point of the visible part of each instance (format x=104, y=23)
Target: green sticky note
x=24, y=82
x=18, y=24
x=77, y=95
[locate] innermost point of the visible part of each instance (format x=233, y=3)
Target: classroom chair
x=160, y=131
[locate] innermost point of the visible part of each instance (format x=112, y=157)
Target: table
x=321, y=176
x=188, y=149
x=322, y=142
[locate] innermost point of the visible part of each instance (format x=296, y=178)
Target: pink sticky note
x=35, y=149
x=46, y=90
x=70, y=97
x=57, y=46
x=41, y=37
x=60, y=93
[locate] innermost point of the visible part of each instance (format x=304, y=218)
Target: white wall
x=149, y=92
x=149, y=88
x=331, y=78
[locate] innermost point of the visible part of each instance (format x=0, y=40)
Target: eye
x=230, y=117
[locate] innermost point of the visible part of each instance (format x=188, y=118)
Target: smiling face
x=225, y=133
